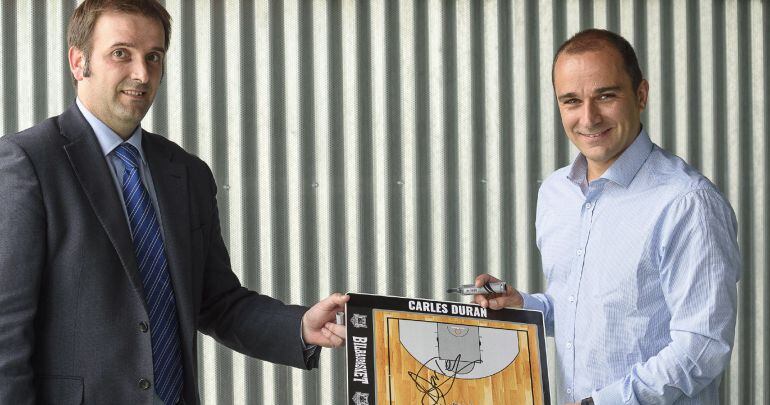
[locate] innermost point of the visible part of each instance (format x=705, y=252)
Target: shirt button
x=569, y=390
x=144, y=384
x=580, y=252
x=589, y=205
x=143, y=327
x=569, y=345
x=571, y=298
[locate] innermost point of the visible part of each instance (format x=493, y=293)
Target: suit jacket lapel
x=170, y=179
x=92, y=172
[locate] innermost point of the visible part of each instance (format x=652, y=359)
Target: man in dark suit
x=111, y=255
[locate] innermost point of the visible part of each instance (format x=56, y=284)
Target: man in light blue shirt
x=639, y=250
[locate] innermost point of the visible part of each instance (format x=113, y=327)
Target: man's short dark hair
x=594, y=39
x=83, y=20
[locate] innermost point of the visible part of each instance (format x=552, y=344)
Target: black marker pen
x=488, y=288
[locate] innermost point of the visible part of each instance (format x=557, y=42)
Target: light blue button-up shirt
x=641, y=265
x=108, y=141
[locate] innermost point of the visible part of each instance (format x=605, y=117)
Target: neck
x=123, y=131
x=595, y=171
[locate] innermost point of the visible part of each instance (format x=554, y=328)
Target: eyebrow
x=600, y=90
x=566, y=96
x=606, y=89
x=132, y=45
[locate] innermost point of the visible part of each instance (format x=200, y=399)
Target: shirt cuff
x=609, y=395
x=310, y=353
x=530, y=302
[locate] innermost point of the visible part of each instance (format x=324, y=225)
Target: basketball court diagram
x=459, y=348
x=444, y=360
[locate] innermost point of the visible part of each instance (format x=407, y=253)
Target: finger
x=481, y=300
x=482, y=279
x=337, y=330
x=336, y=341
x=332, y=339
x=333, y=303
x=497, y=303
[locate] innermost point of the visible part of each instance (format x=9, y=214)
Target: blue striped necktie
x=153, y=267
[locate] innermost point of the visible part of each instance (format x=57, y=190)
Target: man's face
x=125, y=68
x=599, y=107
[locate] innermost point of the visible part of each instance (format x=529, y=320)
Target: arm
x=514, y=298
x=699, y=267
x=22, y=258
x=255, y=324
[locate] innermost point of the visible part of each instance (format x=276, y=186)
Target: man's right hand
x=511, y=298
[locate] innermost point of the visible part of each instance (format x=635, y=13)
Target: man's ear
x=641, y=94
x=77, y=62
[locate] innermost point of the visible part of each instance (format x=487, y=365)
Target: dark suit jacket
x=72, y=308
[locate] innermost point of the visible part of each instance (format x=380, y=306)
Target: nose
x=140, y=71
x=591, y=117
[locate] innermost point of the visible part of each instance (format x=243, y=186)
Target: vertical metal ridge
x=478, y=135
x=466, y=176
x=407, y=146
x=694, y=91
x=40, y=18
x=10, y=91
x=380, y=182
x=393, y=170
x=492, y=177
x=25, y=77
x=765, y=206
x=758, y=186
x=533, y=131
x=451, y=251
x=508, y=221
x=367, y=249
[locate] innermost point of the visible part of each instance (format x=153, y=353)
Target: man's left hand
x=318, y=323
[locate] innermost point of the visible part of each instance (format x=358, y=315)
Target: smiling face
x=600, y=109
x=123, y=71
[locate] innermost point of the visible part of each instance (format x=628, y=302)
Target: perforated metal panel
x=396, y=147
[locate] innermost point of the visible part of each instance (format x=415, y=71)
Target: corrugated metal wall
x=396, y=147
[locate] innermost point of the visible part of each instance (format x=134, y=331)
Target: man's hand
x=511, y=298
x=318, y=323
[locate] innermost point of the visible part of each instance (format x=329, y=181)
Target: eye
x=607, y=96
x=571, y=101
x=120, y=53
x=154, y=57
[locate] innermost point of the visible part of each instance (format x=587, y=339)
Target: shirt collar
x=623, y=170
x=108, y=139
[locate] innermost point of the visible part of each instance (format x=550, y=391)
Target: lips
x=134, y=93
x=595, y=135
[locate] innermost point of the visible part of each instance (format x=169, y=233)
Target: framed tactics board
x=414, y=351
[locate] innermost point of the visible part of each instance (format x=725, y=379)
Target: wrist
x=587, y=401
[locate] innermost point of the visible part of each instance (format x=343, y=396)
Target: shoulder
x=177, y=154
x=555, y=186
x=170, y=148
x=682, y=190
x=36, y=139
x=673, y=175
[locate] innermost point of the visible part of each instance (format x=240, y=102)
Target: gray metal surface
x=396, y=147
